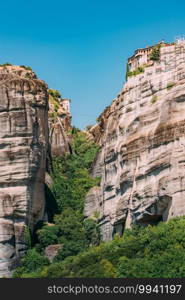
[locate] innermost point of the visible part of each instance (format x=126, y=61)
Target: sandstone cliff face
x=59, y=126
x=142, y=157
x=23, y=148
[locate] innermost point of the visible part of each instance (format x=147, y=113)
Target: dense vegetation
x=137, y=71
x=5, y=65
x=71, y=173
x=54, y=93
x=153, y=251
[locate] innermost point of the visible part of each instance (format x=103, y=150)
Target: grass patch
x=154, y=99
x=170, y=85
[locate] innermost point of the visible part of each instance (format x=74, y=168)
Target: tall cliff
x=28, y=139
x=59, y=123
x=142, y=139
x=23, y=148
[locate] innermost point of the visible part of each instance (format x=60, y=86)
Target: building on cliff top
x=142, y=56
x=65, y=103
x=142, y=147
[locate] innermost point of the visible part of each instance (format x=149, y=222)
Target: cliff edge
x=142, y=139
x=23, y=149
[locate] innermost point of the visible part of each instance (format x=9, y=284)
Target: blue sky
x=80, y=47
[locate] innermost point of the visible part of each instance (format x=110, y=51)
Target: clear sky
x=80, y=47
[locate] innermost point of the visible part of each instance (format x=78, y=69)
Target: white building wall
x=66, y=104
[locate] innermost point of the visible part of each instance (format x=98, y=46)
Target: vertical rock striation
x=59, y=125
x=142, y=138
x=23, y=150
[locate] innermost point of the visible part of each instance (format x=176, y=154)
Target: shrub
x=28, y=75
x=92, y=232
x=135, y=72
x=56, y=107
x=154, y=99
x=155, y=54
x=27, y=237
x=26, y=67
x=5, y=65
x=31, y=262
x=70, y=224
x=170, y=85
x=53, y=116
x=152, y=251
x=127, y=71
x=54, y=93
x=96, y=214
x=48, y=235
x=71, y=179
x=70, y=248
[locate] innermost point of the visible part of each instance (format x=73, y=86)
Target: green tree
x=71, y=176
x=48, y=235
x=72, y=233
x=32, y=261
x=155, y=54
x=153, y=251
x=92, y=231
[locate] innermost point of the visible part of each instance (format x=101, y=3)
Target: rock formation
x=23, y=150
x=142, y=139
x=141, y=162
x=51, y=251
x=59, y=124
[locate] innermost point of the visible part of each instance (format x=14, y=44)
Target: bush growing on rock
x=54, y=93
x=153, y=251
x=155, y=55
x=31, y=262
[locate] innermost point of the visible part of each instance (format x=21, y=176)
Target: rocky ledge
x=142, y=139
